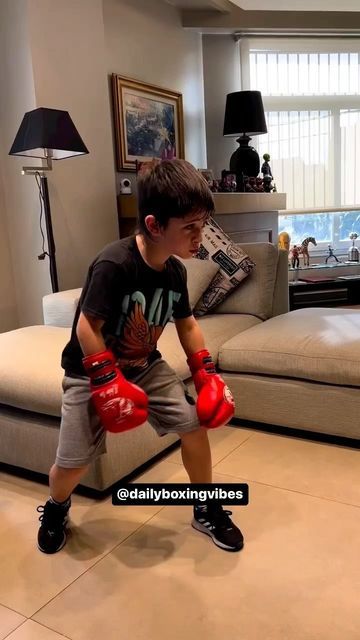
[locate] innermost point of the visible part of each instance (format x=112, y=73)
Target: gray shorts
x=82, y=437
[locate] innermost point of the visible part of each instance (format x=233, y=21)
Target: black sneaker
x=216, y=523
x=52, y=532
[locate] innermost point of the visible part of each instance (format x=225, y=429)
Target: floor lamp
x=49, y=134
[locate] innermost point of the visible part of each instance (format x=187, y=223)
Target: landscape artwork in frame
x=148, y=122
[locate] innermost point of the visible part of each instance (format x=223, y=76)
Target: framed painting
x=148, y=122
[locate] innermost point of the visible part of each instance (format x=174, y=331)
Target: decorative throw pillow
x=234, y=265
x=199, y=275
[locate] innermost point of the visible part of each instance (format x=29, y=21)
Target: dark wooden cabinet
x=329, y=293
x=127, y=214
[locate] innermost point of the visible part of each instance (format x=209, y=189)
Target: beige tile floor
x=142, y=572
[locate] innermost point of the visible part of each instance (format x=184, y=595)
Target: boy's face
x=182, y=236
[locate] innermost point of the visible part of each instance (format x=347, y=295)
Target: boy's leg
x=208, y=518
x=62, y=481
x=81, y=440
x=196, y=455
x=172, y=410
x=54, y=513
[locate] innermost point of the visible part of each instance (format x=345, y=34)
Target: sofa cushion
x=199, y=275
x=234, y=265
x=216, y=329
x=256, y=293
x=59, y=308
x=316, y=344
x=30, y=371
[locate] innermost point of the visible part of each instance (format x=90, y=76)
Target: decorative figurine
x=294, y=253
x=268, y=187
x=266, y=169
x=284, y=241
x=331, y=254
x=267, y=174
x=228, y=182
x=353, y=253
x=259, y=185
x=252, y=183
x=305, y=251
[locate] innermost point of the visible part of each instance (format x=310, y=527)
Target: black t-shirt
x=135, y=301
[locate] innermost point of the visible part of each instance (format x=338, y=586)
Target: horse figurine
x=305, y=251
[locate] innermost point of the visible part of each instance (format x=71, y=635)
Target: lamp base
x=244, y=161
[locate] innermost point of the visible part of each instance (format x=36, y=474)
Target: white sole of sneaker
x=58, y=549
x=200, y=527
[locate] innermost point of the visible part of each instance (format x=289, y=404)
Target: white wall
x=8, y=309
x=145, y=40
x=69, y=61
x=221, y=76
x=20, y=199
x=54, y=56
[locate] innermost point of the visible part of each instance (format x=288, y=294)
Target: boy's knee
x=198, y=435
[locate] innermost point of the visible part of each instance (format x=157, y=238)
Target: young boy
x=115, y=378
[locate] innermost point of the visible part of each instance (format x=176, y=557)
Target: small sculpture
x=266, y=169
x=331, y=254
x=259, y=184
x=353, y=253
x=267, y=174
x=227, y=183
x=284, y=241
x=295, y=253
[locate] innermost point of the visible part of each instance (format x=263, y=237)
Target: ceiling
x=264, y=5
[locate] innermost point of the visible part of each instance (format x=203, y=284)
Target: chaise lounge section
x=297, y=369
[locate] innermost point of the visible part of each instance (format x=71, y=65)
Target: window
x=311, y=94
x=328, y=228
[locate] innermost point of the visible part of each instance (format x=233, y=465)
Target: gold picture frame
x=149, y=122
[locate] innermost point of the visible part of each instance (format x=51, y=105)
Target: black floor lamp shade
x=244, y=117
x=45, y=128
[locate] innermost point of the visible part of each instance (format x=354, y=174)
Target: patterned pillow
x=234, y=265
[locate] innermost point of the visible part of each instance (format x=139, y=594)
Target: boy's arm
x=88, y=331
x=120, y=404
x=215, y=404
x=190, y=335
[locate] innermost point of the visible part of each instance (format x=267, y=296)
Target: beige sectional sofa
x=298, y=369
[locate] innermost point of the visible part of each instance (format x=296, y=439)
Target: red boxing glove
x=119, y=404
x=215, y=404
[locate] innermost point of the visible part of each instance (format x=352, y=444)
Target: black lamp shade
x=244, y=113
x=45, y=128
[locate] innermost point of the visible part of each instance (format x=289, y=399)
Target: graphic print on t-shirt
x=140, y=326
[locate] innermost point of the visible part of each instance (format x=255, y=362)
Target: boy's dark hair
x=171, y=189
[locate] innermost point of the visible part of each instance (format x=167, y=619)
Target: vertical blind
x=311, y=93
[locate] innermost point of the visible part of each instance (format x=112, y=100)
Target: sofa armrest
x=59, y=308
x=281, y=291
